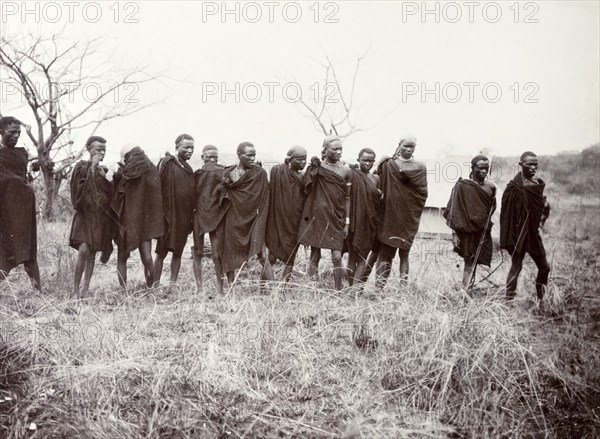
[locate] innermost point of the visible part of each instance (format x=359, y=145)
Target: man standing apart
x=522, y=207
x=364, y=210
x=404, y=186
x=243, y=214
x=285, y=209
x=468, y=214
x=326, y=215
x=138, y=204
x=18, y=226
x=94, y=224
x=206, y=216
x=177, y=185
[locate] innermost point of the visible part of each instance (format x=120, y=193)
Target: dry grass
x=421, y=360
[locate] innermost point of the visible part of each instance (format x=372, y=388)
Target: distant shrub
x=569, y=173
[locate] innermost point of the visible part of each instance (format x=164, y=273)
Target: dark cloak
x=286, y=201
x=209, y=184
x=364, y=210
x=137, y=201
x=404, y=194
x=322, y=222
x=18, y=230
x=177, y=184
x=468, y=213
x=242, y=217
x=94, y=222
x=522, y=207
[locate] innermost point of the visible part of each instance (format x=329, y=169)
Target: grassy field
x=421, y=360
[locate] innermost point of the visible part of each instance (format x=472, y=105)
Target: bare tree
x=333, y=113
x=68, y=86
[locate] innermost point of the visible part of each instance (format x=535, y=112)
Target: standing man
x=206, y=216
x=18, y=226
x=177, y=184
x=285, y=209
x=522, y=207
x=93, y=226
x=138, y=205
x=404, y=186
x=243, y=214
x=325, y=219
x=364, y=209
x=468, y=213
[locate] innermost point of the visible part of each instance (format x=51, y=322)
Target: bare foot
x=75, y=294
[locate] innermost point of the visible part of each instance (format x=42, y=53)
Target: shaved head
x=527, y=154
x=210, y=148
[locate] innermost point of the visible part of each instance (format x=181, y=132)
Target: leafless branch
x=51, y=74
x=334, y=115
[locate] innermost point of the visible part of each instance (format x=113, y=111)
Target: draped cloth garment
x=209, y=184
x=94, y=222
x=18, y=227
x=468, y=213
x=522, y=207
x=286, y=197
x=404, y=187
x=364, y=210
x=322, y=222
x=137, y=201
x=244, y=207
x=178, y=190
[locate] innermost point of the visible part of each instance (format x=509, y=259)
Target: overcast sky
x=461, y=76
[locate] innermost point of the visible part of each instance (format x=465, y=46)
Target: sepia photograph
x=299, y=219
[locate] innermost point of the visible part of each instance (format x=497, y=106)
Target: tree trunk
x=49, y=191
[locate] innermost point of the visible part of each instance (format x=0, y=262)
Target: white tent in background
x=442, y=174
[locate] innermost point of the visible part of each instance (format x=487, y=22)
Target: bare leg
x=315, y=257
x=145, y=249
x=541, y=281
x=175, y=267
x=338, y=270
x=469, y=273
x=403, y=264
x=359, y=273
x=82, y=256
x=267, y=271
x=289, y=266
x=87, y=273
x=122, y=256
x=351, y=267
x=230, y=277
x=220, y=282
x=158, y=266
x=384, y=265
x=197, y=264
x=371, y=261
x=214, y=244
x=33, y=271
x=513, y=274
x=317, y=260
x=272, y=260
